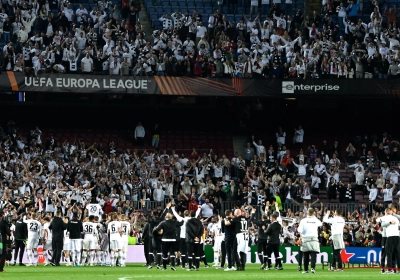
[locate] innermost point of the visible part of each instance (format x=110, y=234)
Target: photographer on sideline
x=5, y=234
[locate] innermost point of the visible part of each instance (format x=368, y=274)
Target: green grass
x=136, y=271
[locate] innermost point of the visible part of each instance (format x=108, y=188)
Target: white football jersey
x=126, y=227
x=217, y=229
x=34, y=227
x=46, y=228
x=94, y=209
x=89, y=228
x=113, y=228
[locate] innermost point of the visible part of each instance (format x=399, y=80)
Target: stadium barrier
x=198, y=86
x=352, y=256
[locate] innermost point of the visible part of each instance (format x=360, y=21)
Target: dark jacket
x=273, y=233
x=169, y=230
x=146, y=232
x=154, y=221
x=57, y=228
x=194, y=228
x=262, y=236
x=5, y=237
x=21, y=230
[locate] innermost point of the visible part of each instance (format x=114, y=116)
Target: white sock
x=123, y=257
x=73, y=255
x=99, y=256
x=113, y=258
x=119, y=255
x=78, y=256
x=84, y=256
x=216, y=257
x=35, y=256
x=30, y=256
x=91, y=257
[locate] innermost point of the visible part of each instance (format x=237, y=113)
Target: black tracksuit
x=154, y=240
x=146, y=240
x=5, y=237
x=273, y=233
x=20, y=236
x=262, y=239
x=168, y=239
x=57, y=228
x=194, y=229
x=230, y=237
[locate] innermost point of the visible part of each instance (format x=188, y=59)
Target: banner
x=104, y=84
x=135, y=255
x=330, y=87
x=289, y=254
x=198, y=86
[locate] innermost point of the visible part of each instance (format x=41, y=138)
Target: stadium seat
x=151, y=10
x=160, y=9
x=208, y=10
x=173, y=3
x=230, y=17
x=200, y=10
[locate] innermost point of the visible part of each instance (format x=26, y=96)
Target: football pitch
x=136, y=271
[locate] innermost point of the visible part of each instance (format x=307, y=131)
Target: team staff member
x=337, y=225
x=57, y=228
x=75, y=229
x=383, y=242
x=393, y=240
x=229, y=239
x=146, y=245
x=194, y=231
x=308, y=230
x=241, y=242
x=5, y=234
x=20, y=236
x=182, y=245
x=154, y=219
x=262, y=237
x=273, y=232
x=167, y=229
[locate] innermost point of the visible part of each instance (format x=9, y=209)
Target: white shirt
x=387, y=194
x=309, y=227
x=337, y=223
x=372, y=193
x=391, y=229
x=113, y=227
x=34, y=228
x=94, y=210
x=139, y=132
x=260, y=148
x=126, y=227
x=301, y=168
x=206, y=210
x=217, y=230
x=87, y=64
x=89, y=229
x=46, y=228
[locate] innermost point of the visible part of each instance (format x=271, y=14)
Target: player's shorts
x=123, y=245
x=89, y=243
x=75, y=245
x=48, y=245
x=33, y=242
x=66, y=246
x=217, y=243
x=114, y=245
x=242, y=242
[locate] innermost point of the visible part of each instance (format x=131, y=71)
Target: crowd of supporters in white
x=338, y=42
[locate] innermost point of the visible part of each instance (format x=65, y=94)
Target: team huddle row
x=86, y=241
x=169, y=234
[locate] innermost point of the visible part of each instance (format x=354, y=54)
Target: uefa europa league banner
x=198, y=86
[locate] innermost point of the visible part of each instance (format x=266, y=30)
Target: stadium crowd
x=43, y=176
x=340, y=41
